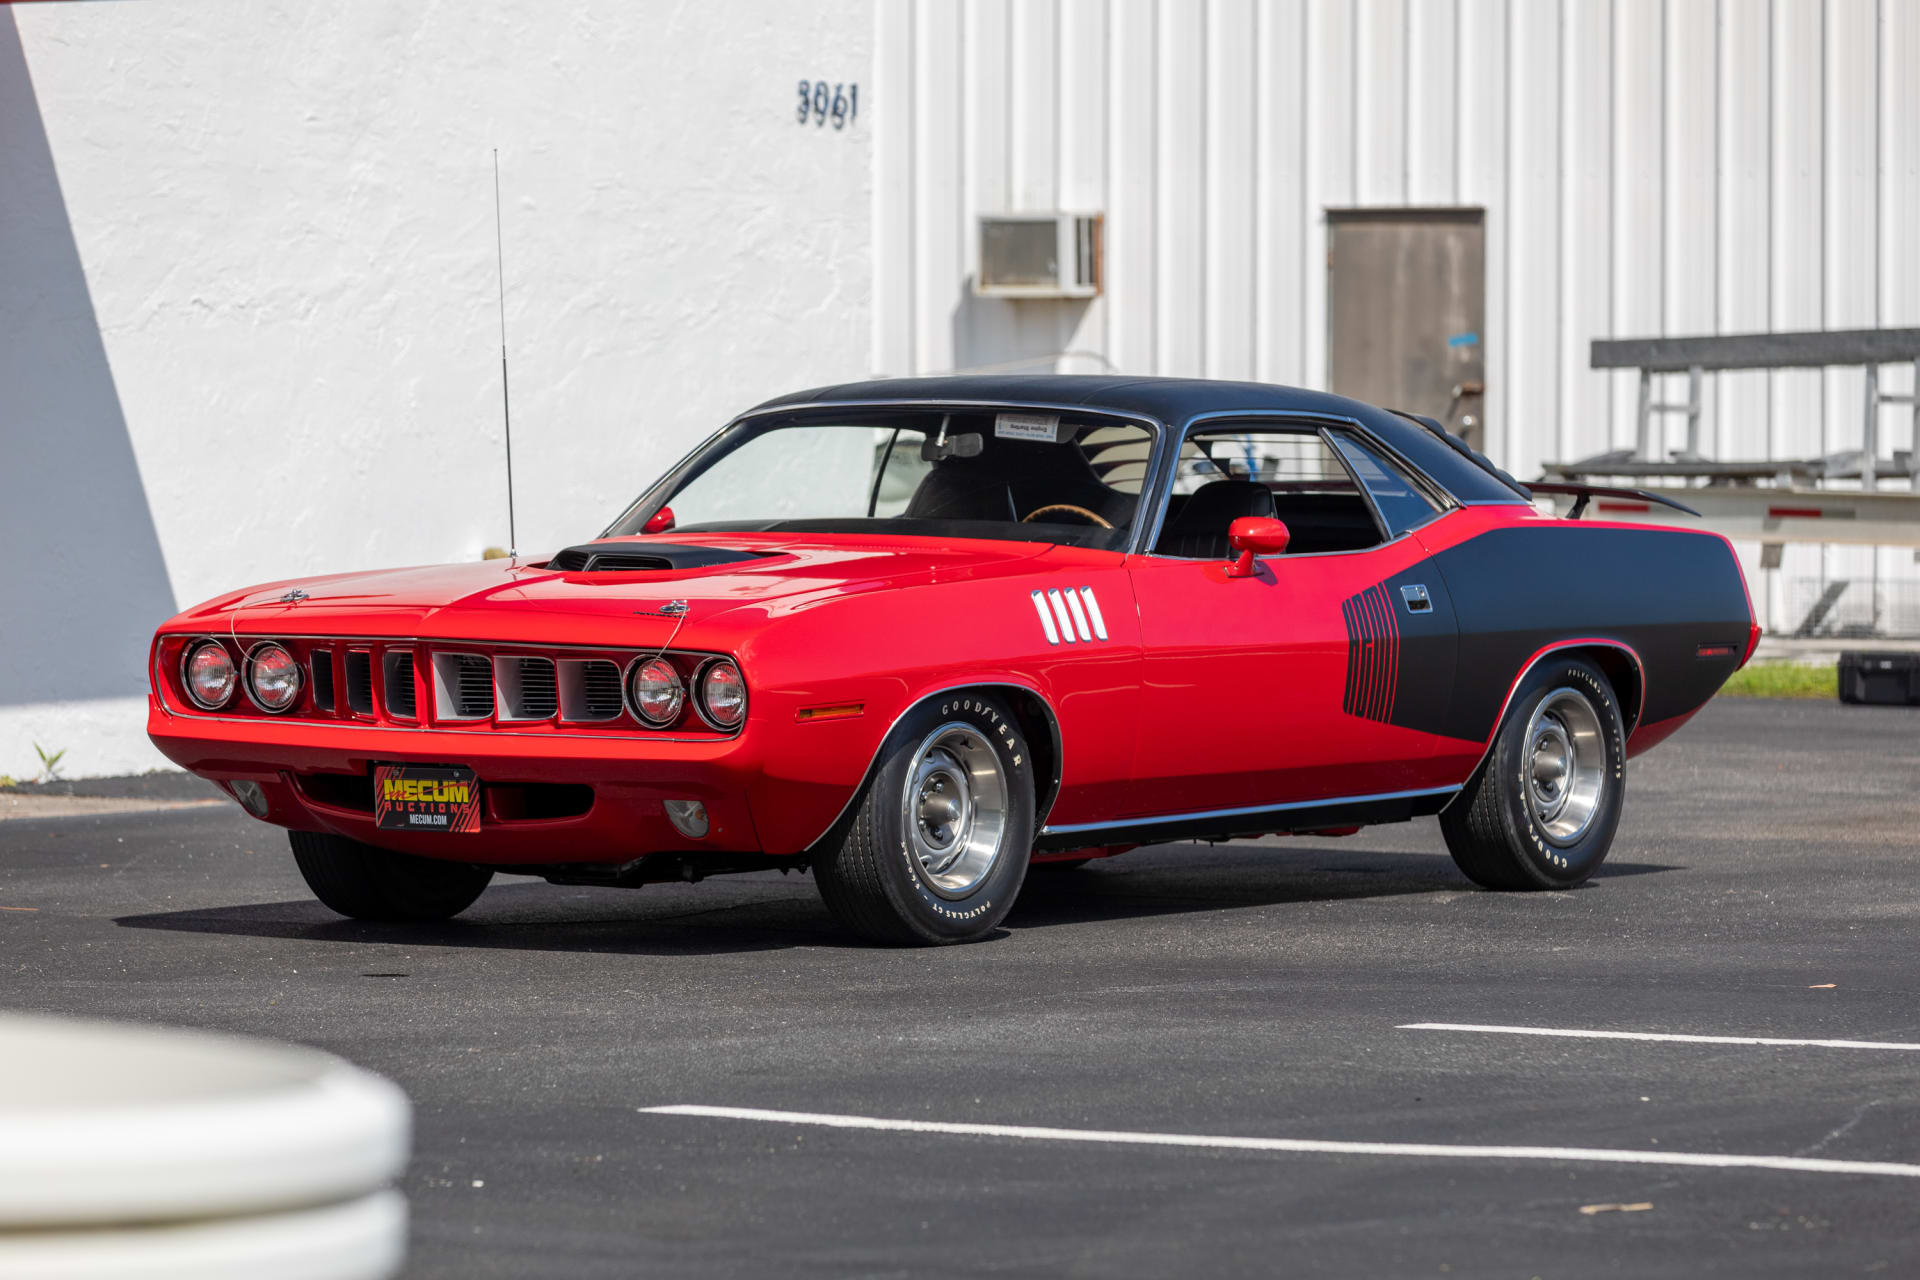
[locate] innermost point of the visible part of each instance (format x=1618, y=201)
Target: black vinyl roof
x=1169, y=399
x=1176, y=401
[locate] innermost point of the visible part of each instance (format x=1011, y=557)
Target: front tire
x=1541, y=811
x=936, y=849
x=365, y=883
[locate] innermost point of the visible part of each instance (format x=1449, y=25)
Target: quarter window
x=1400, y=502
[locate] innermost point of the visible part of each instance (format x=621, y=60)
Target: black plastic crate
x=1881, y=679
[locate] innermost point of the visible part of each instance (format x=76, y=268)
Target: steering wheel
x=1067, y=508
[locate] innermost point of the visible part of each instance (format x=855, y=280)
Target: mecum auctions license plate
x=420, y=797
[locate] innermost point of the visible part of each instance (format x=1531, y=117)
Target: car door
x=1284, y=686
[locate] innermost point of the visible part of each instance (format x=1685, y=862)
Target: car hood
x=528, y=601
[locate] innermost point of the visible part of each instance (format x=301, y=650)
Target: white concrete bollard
x=131, y=1151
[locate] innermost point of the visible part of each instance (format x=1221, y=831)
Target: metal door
x=1406, y=298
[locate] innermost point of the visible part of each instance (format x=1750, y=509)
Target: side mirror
x=659, y=522
x=1254, y=536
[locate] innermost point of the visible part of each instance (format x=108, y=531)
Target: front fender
x=830, y=682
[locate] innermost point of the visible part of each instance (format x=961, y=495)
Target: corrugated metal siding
x=1647, y=166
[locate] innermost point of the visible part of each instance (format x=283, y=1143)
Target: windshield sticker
x=1027, y=426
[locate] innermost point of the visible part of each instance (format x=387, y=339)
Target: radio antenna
x=506, y=408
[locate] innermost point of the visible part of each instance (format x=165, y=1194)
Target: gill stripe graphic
x=1373, y=654
x=1070, y=616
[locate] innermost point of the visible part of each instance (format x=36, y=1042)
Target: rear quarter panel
x=1676, y=599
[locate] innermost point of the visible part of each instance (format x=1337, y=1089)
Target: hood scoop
x=645, y=557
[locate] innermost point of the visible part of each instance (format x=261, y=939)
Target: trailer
x=1842, y=498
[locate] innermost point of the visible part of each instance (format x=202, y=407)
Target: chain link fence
x=1853, y=607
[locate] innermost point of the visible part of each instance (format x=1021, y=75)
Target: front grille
x=590, y=689
x=462, y=686
x=396, y=669
x=525, y=687
x=321, y=663
x=528, y=689
x=360, y=682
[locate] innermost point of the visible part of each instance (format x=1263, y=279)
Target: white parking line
x=1599, y=1155
x=1656, y=1035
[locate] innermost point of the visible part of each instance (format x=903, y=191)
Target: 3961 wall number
x=821, y=103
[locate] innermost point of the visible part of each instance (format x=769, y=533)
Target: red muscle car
x=915, y=636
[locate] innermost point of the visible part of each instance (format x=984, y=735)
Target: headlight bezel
x=702, y=704
x=252, y=662
x=187, y=655
x=635, y=670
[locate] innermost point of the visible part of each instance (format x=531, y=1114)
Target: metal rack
x=1770, y=501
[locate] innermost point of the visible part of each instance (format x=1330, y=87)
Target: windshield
x=1013, y=475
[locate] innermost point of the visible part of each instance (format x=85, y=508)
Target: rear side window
x=1400, y=502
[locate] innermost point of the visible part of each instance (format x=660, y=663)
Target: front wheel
x=937, y=847
x=1541, y=811
x=366, y=883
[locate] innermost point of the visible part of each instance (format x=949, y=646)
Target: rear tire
x=936, y=848
x=365, y=883
x=1541, y=811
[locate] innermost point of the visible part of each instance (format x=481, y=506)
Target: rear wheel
x=936, y=849
x=1541, y=811
x=366, y=883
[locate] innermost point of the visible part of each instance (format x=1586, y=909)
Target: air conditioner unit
x=1039, y=255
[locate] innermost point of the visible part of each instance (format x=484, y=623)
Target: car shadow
x=770, y=912
x=1228, y=878
x=529, y=915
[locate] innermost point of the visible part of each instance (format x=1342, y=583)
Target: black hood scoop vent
x=645, y=557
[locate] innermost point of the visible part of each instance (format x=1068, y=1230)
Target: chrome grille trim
x=526, y=688
x=321, y=661
x=462, y=686
x=396, y=674
x=360, y=682
x=590, y=690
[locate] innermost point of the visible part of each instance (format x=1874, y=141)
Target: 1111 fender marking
x=1070, y=615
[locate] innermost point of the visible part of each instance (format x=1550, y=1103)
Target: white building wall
x=247, y=293
x=1646, y=166
x=247, y=323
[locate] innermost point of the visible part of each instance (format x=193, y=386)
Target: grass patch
x=1784, y=680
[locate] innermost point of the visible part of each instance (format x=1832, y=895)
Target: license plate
x=418, y=797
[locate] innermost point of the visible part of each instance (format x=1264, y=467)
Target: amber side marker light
x=838, y=711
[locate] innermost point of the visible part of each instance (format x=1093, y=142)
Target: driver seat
x=1012, y=479
x=1199, y=531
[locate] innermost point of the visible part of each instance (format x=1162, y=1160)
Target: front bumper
x=299, y=766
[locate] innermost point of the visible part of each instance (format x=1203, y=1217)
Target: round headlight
x=273, y=677
x=655, y=692
x=723, y=694
x=209, y=675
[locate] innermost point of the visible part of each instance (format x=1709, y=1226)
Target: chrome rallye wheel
x=1541, y=811
x=936, y=848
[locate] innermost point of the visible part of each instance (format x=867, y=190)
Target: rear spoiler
x=1583, y=492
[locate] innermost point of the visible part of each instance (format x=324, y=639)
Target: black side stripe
x=1373, y=654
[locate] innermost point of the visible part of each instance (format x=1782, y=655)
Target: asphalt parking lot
x=1763, y=884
